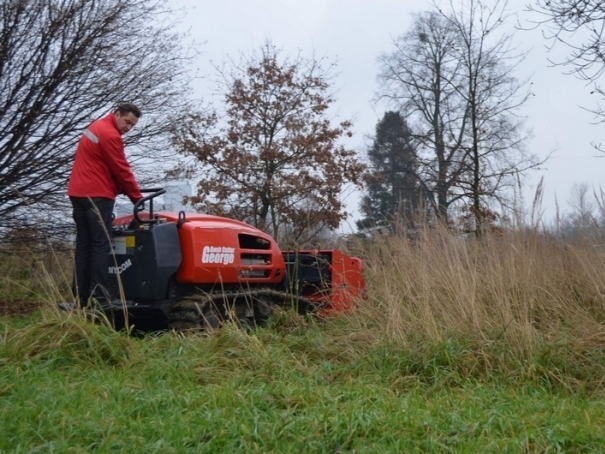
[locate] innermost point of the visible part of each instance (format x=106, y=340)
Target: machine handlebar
x=155, y=192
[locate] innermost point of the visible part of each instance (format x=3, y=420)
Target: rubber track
x=188, y=314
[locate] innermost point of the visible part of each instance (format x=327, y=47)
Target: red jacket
x=100, y=168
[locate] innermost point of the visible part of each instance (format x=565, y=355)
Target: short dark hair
x=128, y=107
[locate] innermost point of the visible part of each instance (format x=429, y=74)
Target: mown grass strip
x=275, y=390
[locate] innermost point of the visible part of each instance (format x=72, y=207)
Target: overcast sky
x=354, y=32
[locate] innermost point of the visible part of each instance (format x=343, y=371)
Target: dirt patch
x=17, y=307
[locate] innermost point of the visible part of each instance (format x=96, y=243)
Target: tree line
x=448, y=148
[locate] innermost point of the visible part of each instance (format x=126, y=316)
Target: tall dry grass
x=42, y=276
x=520, y=289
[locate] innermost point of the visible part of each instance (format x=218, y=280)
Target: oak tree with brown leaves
x=274, y=157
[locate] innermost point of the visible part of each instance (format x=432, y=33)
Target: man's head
x=127, y=115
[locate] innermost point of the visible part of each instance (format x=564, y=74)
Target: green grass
x=460, y=347
x=296, y=386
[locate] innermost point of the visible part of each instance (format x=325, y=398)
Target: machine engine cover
x=218, y=251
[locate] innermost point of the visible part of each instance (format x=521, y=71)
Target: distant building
x=175, y=191
x=172, y=200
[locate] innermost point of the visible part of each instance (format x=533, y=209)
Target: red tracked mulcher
x=188, y=271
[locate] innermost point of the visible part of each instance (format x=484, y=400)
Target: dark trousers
x=93, y=248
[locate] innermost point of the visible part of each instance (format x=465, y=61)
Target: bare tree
x=420, y=78
x=453, y=76
x=567, y=20
x=493, y=95
x=584, y=220
x=64, y=63
x=582, y=214
x=273, y=158
x=578, y=25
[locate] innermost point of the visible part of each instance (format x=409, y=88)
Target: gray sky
x=354, y=32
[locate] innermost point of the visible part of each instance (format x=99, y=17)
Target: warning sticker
x=119, y=245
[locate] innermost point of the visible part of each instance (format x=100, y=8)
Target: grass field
x=459, y=347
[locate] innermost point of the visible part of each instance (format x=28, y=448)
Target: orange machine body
x=193, y=271
x=222, y=251
x=327, y=276
x=348, y=284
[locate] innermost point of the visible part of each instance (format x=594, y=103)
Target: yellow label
x=130, y=241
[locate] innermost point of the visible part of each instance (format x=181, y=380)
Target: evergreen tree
x=392, y=191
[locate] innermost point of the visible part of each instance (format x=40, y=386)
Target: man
x=100, y=172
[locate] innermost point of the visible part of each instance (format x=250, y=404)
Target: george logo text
x=212, y=254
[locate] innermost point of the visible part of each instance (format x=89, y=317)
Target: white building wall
x=172, y=200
